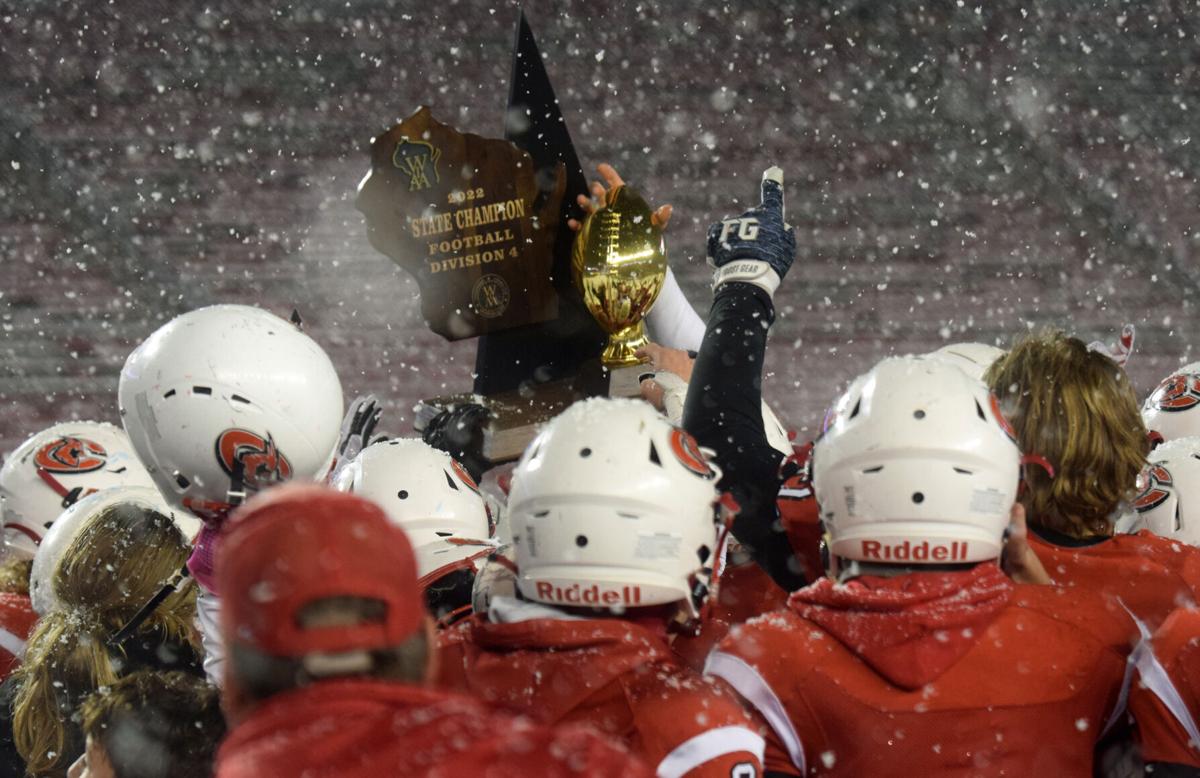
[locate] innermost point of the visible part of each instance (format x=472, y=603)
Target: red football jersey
x=1165, y=702
x=801, y=517
x=931, y=674
x=1150, y=575
x=17, y=619
x=370, y=728
x=614, y=675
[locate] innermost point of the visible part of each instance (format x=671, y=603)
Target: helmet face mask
x=916, y=466
x=1168, y=501
x=54, y=469
x=612, y=508
x=425, y=493
x=224, y=401
x=1173, y=409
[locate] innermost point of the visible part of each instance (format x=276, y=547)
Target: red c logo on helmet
x=687, y=451
x=262, y=463
x=462, y=473
x=1177, y=393
x=1157, y=480
x=71, y=455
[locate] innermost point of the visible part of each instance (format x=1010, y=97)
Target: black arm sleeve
x=1171, y=770
x=724, y=412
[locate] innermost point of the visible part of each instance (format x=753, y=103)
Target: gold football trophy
x=619, y=265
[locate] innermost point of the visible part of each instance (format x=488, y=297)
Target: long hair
x=120, y=559
x=1076, y=408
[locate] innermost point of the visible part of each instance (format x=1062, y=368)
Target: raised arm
x=723, y=411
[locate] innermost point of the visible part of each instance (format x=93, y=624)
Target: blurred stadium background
x=957, y=171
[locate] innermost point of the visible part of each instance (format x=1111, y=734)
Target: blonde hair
x=121, y=558
x=14, y=576
x=1074, y=407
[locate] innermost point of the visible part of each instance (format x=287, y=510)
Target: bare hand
x=1018, y=560
x=600, y=198
x=672, y=360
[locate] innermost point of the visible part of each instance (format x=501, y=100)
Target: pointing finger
x=772, y=189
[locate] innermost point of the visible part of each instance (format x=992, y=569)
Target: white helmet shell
x=972, y=358
x=1168, y=503
x=226, y=400
x=1173, y=409
x=612, y=506
x=53, y=469
x=66, y=527
x=426, y=493
x=916, y=466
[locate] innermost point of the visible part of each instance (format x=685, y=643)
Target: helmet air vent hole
x=237, y=398
x=202, y=390
x=444, y=534
x=876, y=469
x=704, y=552
x=169, y=394
x=1178, y=519
x=654, y=454
x=964, y=471
x=581, y=540
x=919, y=414
x=857, y=408
x=979, y=410
x=585, y=452
x=918, y=498
x=541, y=514
x=181, y=481
x=450, y=481
x=402, y=494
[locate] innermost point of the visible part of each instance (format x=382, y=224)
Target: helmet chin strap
x=134, y=624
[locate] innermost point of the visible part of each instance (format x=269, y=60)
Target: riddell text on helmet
x=592, y=595
x=914, y=552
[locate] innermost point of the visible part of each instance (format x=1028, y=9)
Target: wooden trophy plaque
x=465, y=216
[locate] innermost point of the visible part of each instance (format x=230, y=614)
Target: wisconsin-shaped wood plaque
x=467, y=217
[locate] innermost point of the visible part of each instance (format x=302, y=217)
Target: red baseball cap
x=298, y=544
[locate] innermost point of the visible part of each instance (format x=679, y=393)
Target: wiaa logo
x=71, y=455
x=417, y=158
x=1177, y=393
x=1157, y=488
x=262, y=464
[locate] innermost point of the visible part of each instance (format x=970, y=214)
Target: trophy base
x=621, y=349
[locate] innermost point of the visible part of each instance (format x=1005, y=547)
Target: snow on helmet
x=1168, y=502
x=972, y=358
x=916, y=466
x=53, y=469
x=613, y=506
x=58, y=538
x=427, y=494
x=1173, y=409
x=225, y=400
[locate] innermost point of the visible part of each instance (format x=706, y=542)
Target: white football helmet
x=68, y=524
x=1168, y=502
x=612, y=506
x=675, y=395
x=427, y=494
x=223, y=401
x=972, y=358
x=1173, y=409
x=56, y=467
x=916, y=466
